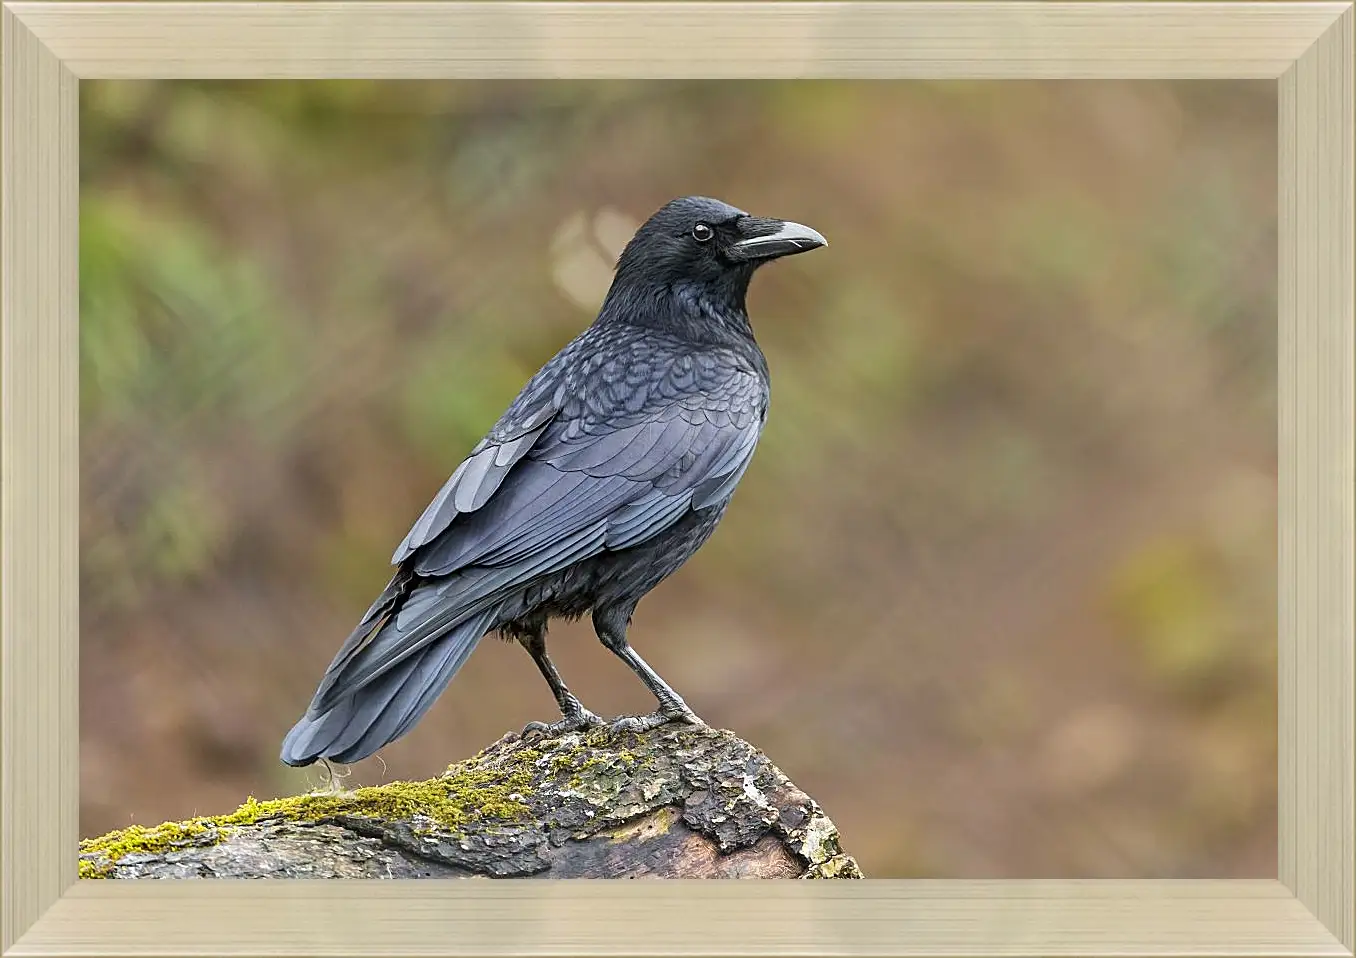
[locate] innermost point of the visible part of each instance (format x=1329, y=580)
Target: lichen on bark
x=677, y=801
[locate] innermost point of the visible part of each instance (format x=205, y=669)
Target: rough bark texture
x=675, y=802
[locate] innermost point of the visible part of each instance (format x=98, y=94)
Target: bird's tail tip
x=374, y=714
x=296, y=749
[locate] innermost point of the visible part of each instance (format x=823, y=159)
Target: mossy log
x=675, y=802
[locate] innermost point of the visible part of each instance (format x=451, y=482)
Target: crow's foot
x=576, y=720
x=664, y=715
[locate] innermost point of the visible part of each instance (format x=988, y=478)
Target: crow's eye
x=702, y=232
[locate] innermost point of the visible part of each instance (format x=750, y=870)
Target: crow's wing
x=631, y=463
x=605, y=473
x=474, y=481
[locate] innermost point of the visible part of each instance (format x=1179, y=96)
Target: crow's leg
x=611, y=625
x=574, y=716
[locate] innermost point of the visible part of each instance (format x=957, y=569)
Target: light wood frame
x=1306, y=47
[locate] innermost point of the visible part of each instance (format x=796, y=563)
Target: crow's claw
x=574, y=722
x=662, y=716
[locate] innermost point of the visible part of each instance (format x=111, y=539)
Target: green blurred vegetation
x=999, y=589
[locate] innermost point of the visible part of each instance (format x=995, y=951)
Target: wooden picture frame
x=1306, y=47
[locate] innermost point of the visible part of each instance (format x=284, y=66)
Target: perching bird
x=605, y=474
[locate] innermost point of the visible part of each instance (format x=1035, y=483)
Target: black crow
x=610, y=468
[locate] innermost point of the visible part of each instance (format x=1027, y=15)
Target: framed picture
x=335, y=208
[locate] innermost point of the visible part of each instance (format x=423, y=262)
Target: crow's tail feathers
x=381, y=711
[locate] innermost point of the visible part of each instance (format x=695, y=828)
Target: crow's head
x=699, y=242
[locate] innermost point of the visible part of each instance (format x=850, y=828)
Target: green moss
x=89, y=869
x=141, y=840
x=562, y=761
x=466, y=792
x=602, y=775
x=840, y=866
x=622, y=757
x=521, y=755
x=598, y=737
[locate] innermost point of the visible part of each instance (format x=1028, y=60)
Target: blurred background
x=999, y=589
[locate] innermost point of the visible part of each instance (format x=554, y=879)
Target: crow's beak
x=769, y=239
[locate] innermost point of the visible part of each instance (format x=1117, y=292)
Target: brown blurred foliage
x=999, y=587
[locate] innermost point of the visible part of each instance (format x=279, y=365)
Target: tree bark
x=675, y=802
